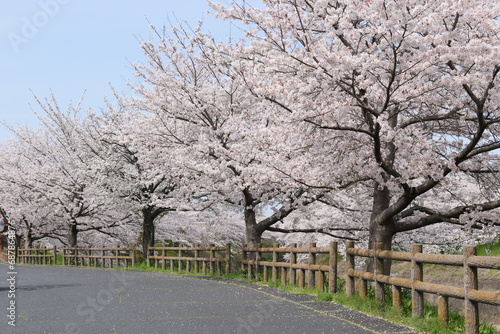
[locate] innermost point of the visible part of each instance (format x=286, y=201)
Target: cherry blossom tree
x=50, y=187
x=211, y=122
x=132, y=168
x=396, y=98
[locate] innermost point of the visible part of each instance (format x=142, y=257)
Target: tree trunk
x=381, y=232
x=148, y=229
x=149, y=215
x=28, y=239
x=72, y=234
x=19, y=238
x=384, y=231
x=253, y=235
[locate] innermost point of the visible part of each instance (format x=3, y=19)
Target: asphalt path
x=90, y=301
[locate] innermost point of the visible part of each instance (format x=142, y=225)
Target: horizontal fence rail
x=98, y=257
x=470, y=293
x=43, y=255
x=291, y=271
x=203, y=259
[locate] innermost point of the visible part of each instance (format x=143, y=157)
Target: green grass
x=489, y=249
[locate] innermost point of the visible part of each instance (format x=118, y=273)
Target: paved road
x=91, y=301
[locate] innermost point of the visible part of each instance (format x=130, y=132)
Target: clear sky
x=74, y=46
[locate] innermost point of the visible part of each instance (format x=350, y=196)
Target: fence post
x=64, y=256
x=179, y=263
x=265, y=275
x=397, y=300
x=103, y=260
x=417, y=274
x=275, y=259
x=111, y=258
x=171, y=263
x=443, y=310
x=163, y=255
x=293, y=260
x=228, y=258
x=132, y=253
x=243, y=257
x=188, y=266
x=155, y=260
x=124, y=252
x=332, y=270
x=362, y=284
x=196, y=255
x=55, y=255
x=349, y=264
x=301, y=274
x=283, y=276
x=471, y=312
x=312, y=260
x=320, y=280
x=378, y=269
x=257, y=259
x=204, y=267
x=249, y=265
x=362, y=287
x=212, y=256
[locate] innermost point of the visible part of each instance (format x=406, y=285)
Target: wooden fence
x=291, y=271
x=98, y=257
x=182, y=257
x=470, y=293
x=47, y=256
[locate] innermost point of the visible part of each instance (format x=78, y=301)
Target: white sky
x=72, y=46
